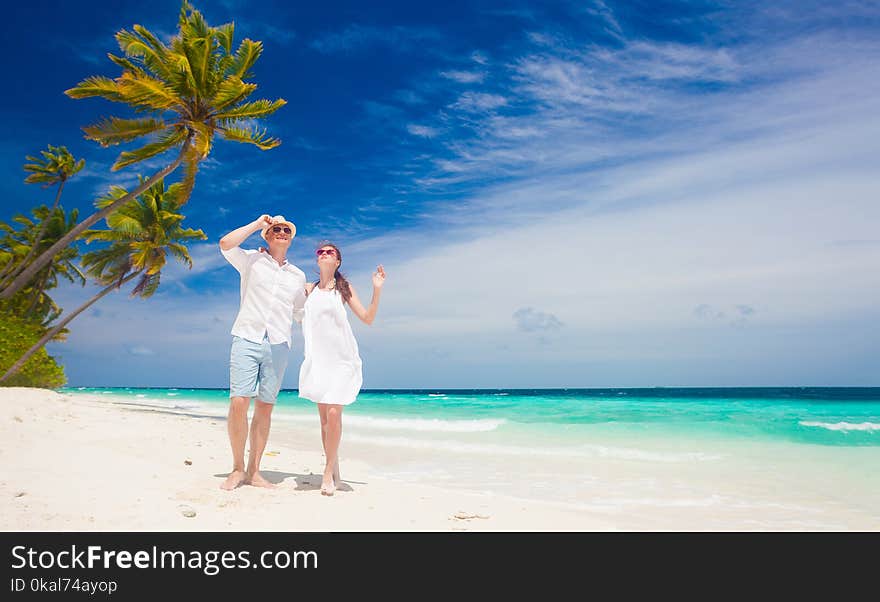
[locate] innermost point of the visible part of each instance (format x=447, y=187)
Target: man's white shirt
x=272, y=296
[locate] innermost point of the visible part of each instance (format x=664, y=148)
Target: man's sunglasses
x=320, y=252
x=277, y=229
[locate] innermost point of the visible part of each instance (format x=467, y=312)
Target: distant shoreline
x=519, y=390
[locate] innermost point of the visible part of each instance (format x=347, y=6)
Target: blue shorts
x=256, y=369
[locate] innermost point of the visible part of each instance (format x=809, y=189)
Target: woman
x=330, y=374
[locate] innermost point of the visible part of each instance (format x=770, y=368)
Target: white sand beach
x=78, y=462
x=81, y=464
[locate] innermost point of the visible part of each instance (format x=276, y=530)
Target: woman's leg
x=332, y=434
x=322, y=412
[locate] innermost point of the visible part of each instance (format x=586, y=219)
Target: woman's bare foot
x=257, y=480
x=235, y=478
x=328, y=487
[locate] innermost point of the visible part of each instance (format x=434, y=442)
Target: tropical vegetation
x=141, y=236
x=186, y=92
x=182, y=93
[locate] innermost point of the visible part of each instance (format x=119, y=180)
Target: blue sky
x=565, y=194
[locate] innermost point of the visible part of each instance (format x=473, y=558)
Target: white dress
x=331, y=371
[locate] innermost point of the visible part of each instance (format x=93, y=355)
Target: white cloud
x=528, y=319
x=606, y=14
x=422, y=130
x=479, y=57
x=478, y=102
x=623, y=254
x=464, y=77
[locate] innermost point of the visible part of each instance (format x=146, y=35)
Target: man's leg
x=236, y=424
x=260, y=425
x=273, y=363
x=243, y=372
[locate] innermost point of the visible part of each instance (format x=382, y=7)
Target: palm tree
x=46, y=227
x=142, y=233
x=56, y=166
x=193, y=89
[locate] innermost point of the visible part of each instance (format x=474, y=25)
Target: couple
x=274, y=293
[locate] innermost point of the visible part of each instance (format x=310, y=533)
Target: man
x=272, y=296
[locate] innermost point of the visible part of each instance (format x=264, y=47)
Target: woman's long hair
x=341, y=283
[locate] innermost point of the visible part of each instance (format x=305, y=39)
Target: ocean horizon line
x=804, y=389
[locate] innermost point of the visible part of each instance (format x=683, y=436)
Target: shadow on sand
x=304, y=482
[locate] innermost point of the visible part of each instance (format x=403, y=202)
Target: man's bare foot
x=257, y=480
x=235, y=478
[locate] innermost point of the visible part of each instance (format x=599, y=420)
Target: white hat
x=279, y=219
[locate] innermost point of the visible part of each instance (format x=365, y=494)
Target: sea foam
x=435, y=425
x=844, y=426
x=577, y=451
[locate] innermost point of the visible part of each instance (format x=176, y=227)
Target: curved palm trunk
x=57, y=328
x=37, y=240
x=47, y=255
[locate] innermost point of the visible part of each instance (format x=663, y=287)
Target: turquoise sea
x=807, y=457
x=806, y=415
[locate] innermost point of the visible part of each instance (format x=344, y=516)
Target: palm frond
x=106, y=264
x=224, y=65
x=189, y=233
x=146, y=92
x=125, y=63
x=198, y=42
x=158, y=47
x=72, y=273
x=146, y=255
x=147, y=48
x=114, y=130
x=105, y=236
x=169, y=219
x=198, y=51
x=147, y=285
x=195, y=25
x=26, y=221
x=257, y=108
x=247, y=54
x=190, y=169
x=114, y=193
x=180, y=63
x=181, y=253
x=124, y=227
x=230, y=91
x=170, y=139
x=258, y=139
x=97, y=85
x=225, y=34
x=40, y=177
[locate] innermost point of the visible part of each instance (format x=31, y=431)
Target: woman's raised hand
x=379, y=277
